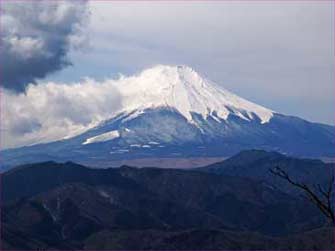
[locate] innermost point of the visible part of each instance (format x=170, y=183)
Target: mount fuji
x=172, y=111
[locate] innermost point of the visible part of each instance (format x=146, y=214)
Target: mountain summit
x=186, y=91
x=172, y=111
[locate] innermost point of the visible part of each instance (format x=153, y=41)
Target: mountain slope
x=69, y=206
x=172, y=111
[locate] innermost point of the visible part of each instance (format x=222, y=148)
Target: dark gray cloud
x=36, y=37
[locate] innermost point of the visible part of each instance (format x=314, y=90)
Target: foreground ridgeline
x=172, y=111
x=235, y=204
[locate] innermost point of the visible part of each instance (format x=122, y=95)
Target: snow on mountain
x=102, y=137
x=182, y=90
x=186, y=91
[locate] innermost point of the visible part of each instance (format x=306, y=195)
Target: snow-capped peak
x=183, y=89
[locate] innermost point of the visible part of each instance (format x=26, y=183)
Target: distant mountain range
x=255, y=164
x=233, y=204
x=172, y=111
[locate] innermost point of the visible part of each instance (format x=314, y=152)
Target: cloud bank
x=36, y=37
x=52, y=111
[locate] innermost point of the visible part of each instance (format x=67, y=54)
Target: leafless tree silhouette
x=321, y=197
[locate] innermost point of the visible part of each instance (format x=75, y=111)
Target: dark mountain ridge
x=256, y=164
x=70, y=206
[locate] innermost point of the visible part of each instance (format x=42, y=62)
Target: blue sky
x=277, y=54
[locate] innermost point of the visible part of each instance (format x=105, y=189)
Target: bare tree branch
x=322, y=199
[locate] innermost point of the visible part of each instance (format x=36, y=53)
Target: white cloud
x=51, y=111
